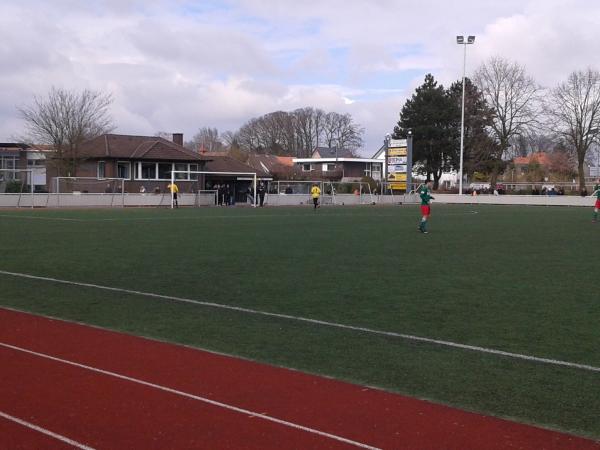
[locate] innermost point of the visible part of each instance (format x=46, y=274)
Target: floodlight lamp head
x=460, y=39
x=471, y=40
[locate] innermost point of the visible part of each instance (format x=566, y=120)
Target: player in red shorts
x=425, y=208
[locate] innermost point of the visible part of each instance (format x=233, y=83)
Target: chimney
x=178, y=138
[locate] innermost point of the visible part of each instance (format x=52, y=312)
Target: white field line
x=21, y=216
x=245, y=216
x=409, y=337
x=45, y=431
x=193, y=397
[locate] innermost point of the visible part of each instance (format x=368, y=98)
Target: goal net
x=17, y=182
x=87, y=185
x=214, y=188
x=292, y=187
x=89, y=191
x=332, y=192
x=353, y=193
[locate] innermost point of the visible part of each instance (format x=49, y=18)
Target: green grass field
x=517, y=279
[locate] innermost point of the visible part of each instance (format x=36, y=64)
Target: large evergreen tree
x=431, y=115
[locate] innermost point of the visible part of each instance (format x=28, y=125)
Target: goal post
x=12, y=182
x=188, y=175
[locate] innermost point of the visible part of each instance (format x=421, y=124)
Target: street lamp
x=460, y=40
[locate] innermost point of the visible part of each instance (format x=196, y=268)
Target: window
x=124, y=170
x=306, y=167
x=330, y=167
x=10, y=163
x=367, y=169
x=375, y=171
x=36, y=163
x=164, y=171
x=181, y=176
x=194, y=168
x=148, y=171
x=101, y=169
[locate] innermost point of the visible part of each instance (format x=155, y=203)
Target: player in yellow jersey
x=315, y=192
x=172, y=187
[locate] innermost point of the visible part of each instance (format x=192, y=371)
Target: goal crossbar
x=208, y=172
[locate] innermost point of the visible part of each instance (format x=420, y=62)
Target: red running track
x=114, y=409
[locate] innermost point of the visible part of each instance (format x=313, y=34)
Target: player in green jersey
x=426, y=198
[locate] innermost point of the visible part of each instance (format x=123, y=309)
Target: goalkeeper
x=315, y=193
x=174, y=191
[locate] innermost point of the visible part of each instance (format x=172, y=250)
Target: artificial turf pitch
x=517, y=279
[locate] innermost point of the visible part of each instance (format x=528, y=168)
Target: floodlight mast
x=460, y=40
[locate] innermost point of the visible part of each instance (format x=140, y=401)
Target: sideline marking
x=247, y=216
x=192, y=396
x=20, y=216
x=410, y=337
x=44, y=431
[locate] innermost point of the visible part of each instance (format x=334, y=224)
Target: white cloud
x=179, y=65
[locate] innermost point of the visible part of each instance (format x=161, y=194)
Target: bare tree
x=574, y=114
x=64, y=120
x=206, y=138
x=164, y=135
x=339, y=130
x=514, y=98
x=309, y=128
x=299, y=132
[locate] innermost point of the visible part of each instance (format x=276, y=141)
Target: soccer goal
x=204, y=197
x=89, y=191
x=349, y=193
x=292, y=187
x=17, y=183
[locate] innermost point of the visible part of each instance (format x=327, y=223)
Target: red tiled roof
x=136, y=147
x=269, y=163
x=540, y=157
x=286, y=160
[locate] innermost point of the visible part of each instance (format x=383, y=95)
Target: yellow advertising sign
x=398, y=186
x=397, y=177
x=396, y=151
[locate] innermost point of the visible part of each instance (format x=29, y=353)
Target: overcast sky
x=179, y=65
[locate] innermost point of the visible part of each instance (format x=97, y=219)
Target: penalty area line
x=190, y=396
x=408, y=337
x=39, y=429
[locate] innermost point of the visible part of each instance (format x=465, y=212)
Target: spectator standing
x=261, y=193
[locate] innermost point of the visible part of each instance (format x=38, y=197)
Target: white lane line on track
x=45, y=431
x=409, y=337
x=192, y=396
